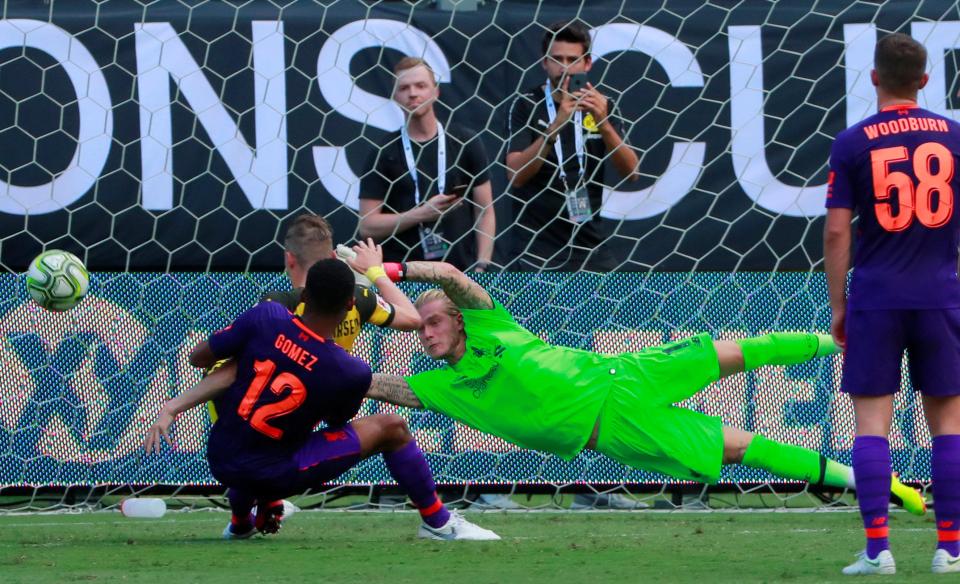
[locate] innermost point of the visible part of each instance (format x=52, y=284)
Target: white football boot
x=457, y=527
x=882, y=564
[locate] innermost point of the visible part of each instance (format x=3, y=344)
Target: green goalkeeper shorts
x=640, y=426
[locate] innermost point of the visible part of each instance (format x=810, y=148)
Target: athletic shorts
x=326, y=455
x=876, y=340
x=640, y=426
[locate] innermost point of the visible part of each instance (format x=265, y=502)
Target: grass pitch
x=363, y=547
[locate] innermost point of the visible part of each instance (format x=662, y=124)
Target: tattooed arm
x=463, y=291
x=393, y=389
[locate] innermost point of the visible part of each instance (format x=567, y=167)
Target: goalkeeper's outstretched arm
x=393, y=389
x=464, y=292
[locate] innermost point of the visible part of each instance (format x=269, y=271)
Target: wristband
x=374, y=272
x=396, y=271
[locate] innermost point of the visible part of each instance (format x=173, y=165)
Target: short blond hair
x=412, y=62
x=436, y=294
x=309, y=238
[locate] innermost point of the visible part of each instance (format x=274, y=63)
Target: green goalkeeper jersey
x=512, y=384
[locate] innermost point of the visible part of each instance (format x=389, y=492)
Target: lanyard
x=577, y=136
x=412, y=165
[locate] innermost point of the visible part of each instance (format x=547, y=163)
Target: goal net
x=169, y=146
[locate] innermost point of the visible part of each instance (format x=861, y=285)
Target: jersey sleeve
x=348, y=406
x=428, y=385
x=373, y=308
x=521, y=131
x=229, y=342
x=289, y=298
x=840, y=179
x=475, y=161
x=375, y=184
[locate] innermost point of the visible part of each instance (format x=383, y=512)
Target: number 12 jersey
x=897, y=170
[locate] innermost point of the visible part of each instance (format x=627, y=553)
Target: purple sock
x=241, y=504
x=946, y=491
x=871, y=471
x=410, y=469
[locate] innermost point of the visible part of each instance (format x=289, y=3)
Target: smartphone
x=578, y=82
x=458, y=191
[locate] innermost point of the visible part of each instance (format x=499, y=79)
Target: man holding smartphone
x=428, y=195
x=560, y=134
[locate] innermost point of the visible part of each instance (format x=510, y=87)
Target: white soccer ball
x=344, y=254
x=57, y=280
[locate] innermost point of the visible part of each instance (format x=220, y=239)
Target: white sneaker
x=944, y=563
x=229, y=533
x=456, y=528
x=882, y=564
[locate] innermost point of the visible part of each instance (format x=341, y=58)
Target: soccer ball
x=57, y=280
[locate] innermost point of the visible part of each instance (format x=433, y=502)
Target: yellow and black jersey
x=369, y=307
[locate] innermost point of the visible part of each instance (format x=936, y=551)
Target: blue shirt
x=897, y=170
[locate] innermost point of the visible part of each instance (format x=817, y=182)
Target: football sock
x=408, y=466
x=784, y=349
x=241, y=504
x=871, y=466
x=796, y=462
x=946, y=491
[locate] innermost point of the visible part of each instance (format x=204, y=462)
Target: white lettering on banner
x=261, y=174
x=939, y=38
x=95, y=110
x=748, y=141
x=686, y=160
x=340, y=91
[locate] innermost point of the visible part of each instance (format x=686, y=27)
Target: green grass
x=360, y=548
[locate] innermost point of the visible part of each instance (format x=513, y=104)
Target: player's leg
x=772, y=349
x=784, y=460
x=389, y=434
x=242, y=523
x=871, y=375
x=934, y=353
x=943, y=416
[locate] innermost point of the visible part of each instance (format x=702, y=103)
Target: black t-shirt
x=546, y=237
x=389, y=181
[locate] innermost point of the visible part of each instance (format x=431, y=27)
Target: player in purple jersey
x=291, y=376
x=897, y=170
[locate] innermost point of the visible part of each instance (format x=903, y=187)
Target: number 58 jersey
x=289, y=379
x=898, y=170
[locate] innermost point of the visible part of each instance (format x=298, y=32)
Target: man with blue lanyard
x=428, y=195
x=557, y=206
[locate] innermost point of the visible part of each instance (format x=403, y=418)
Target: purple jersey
x=897, y=170
x=289, y=379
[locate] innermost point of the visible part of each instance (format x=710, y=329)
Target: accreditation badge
x=590, y=124
x=434, y=246
x=578, y=205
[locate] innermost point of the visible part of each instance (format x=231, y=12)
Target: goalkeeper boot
x=907, y=497
x=457, y=527
x=944, y=563
x=240, y=529
x=269, y=518
x=882, y=564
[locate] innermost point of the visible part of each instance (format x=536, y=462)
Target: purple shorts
x=876, y=340
x=326, y=455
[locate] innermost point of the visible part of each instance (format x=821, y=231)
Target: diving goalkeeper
x=504, y=380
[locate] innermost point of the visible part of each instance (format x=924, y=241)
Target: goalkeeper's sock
x=946, y=491
x=784, y=349
x=241, y=506
x=871, y=465
x=408, y=466
x=795, y=462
